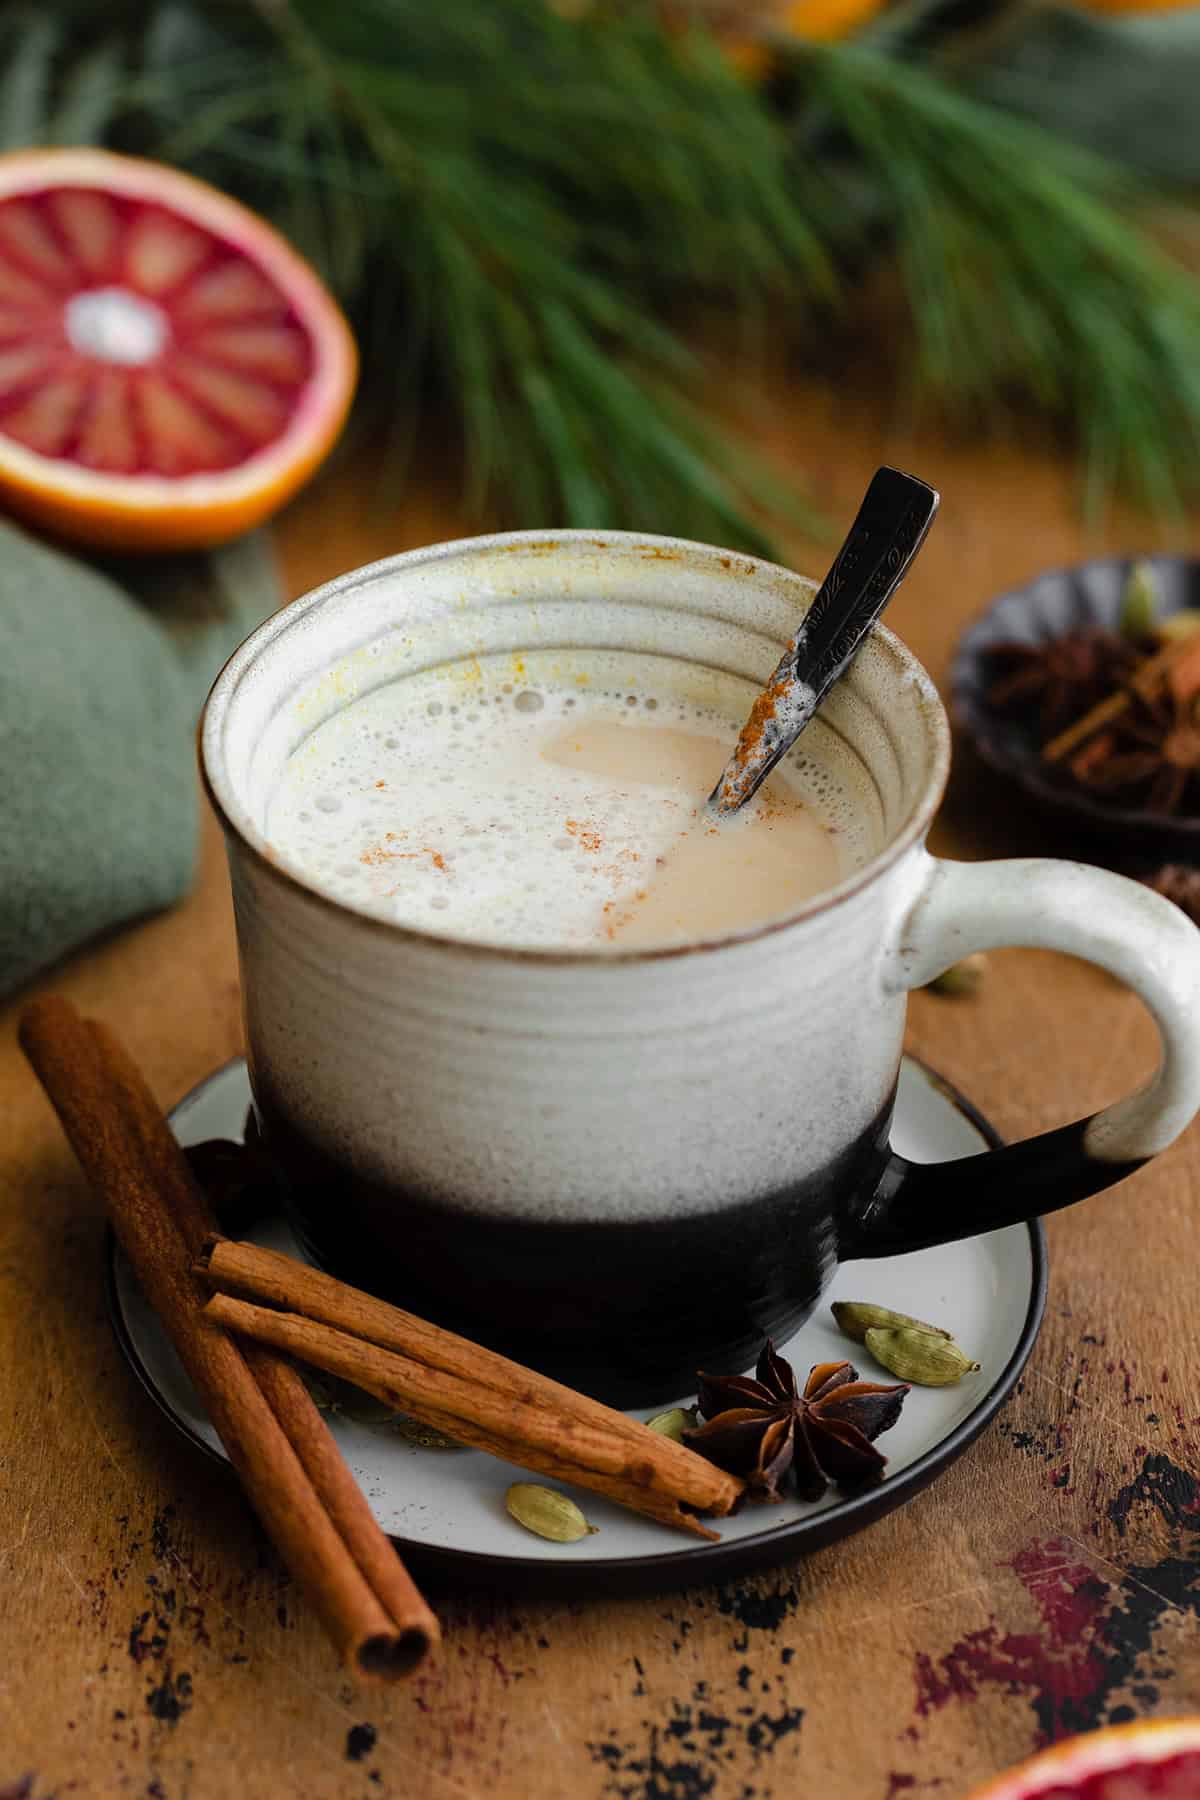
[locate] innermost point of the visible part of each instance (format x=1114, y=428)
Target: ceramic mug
x=624, y=1166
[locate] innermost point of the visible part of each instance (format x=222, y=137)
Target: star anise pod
x=237, y=1178
x=763, y=1427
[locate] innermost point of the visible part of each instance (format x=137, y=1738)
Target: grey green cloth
x=104, y=665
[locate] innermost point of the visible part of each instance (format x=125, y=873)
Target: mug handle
x=1143, y=940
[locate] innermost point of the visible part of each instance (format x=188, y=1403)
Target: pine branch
x=504, y=201
x=519, y=209
x=1024, y=283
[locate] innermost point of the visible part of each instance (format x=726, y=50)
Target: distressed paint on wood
x=153, y=1647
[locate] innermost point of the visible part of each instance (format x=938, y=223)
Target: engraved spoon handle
x=896, y=512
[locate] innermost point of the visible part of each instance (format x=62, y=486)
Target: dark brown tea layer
x=626, y=1311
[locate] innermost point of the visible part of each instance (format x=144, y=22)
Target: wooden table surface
x=151, y=1644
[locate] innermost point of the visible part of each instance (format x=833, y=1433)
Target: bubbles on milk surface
x=528, y=814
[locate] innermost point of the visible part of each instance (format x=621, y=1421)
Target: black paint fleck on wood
x=360, y=1740
x=1163, y=1485
x=171, y=1698
x=754, y=1609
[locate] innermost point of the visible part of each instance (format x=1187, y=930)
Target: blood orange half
x=1159, y=1760
x=170, y=369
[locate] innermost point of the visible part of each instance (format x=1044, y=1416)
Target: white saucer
x=989, y=1291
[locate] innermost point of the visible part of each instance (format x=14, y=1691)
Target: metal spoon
x=896, y=512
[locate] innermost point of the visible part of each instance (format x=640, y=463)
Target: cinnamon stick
x=1145, y=679
x=292, y=1286
x=276, y=1439
x=518, y=1432
x=458, y=1387
x=279, y=1379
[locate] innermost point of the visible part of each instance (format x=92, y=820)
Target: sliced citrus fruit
x=170, y=369
x=1156, y=1760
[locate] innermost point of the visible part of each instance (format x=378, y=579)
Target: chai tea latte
x=552, y=817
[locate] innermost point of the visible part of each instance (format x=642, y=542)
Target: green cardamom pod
x=961, y=977
x=919, y=1356
x=673, y=1424
x=320, y=1390
x=856, y=1317
x=1139, y=603
x=425, y=1437
x=333, y=1395
x=548, y=1513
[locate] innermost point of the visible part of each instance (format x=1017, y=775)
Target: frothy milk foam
x=549, y=817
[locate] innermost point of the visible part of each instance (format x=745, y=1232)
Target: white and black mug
x=624, y=1166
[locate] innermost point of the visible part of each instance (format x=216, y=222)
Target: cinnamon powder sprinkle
x=378, y=855
x=588, y=840
x=749, y=744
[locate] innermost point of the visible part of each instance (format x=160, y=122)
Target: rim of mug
x=754, y=568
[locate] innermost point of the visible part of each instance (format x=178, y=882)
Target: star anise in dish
x=764, y=1427
x=1058, y=679
x=1149, y=755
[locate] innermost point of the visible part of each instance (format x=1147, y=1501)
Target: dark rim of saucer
x=700, y=1562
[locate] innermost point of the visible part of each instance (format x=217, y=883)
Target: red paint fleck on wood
x=1065, y=1666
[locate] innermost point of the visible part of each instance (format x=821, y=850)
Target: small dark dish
x=1050, y=606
